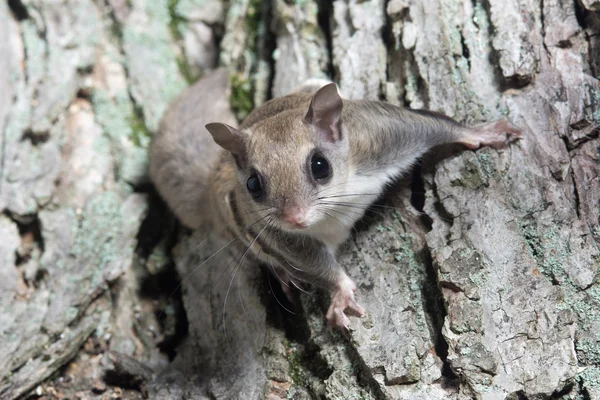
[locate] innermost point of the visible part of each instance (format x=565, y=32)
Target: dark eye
x=319, y=167
x=253, y=185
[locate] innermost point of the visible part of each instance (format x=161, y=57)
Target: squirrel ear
x=229, y=138
x=325, y=111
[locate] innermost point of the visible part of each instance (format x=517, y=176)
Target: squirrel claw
x=342, y=300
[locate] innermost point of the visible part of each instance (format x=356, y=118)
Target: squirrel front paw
x=342, y=300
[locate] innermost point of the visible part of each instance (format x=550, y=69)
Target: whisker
x=353, y=180
x=348, y=195
x=288, y=273
x=222, y=248
x=228, y=265
x=234, y=258
x=363, y=206
x=337, y=219
x=331, y=187
x=300, y=289
x=352, y=208
x=369, y=208
x=215, y=253
x=293, y=266
x=242, y=259
x=281, y=266
x=227, y=221
x=274, y=295
x=234, y=273
x=329, y=206
x=188, y=275
x=353, y=227
x=253, y=212
x=250, y=322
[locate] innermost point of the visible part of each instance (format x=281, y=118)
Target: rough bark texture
x=480, y=276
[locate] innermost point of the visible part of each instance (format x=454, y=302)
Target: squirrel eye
x=319, y=167
x=253, y=185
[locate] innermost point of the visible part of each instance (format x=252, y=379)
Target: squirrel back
x=182, y=153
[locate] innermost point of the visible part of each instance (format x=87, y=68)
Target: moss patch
x=243, y=82
x=242, y=96
x=297, y=372
x=177, y=26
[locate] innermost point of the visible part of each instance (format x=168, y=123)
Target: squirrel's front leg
x=327, y=273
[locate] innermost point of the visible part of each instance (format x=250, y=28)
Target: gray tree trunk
x=480, y=276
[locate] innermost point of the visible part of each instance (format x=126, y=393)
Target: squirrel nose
x=295, y=216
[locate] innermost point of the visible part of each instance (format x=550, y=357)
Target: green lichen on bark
x=151, y=60
x=590, y=378
x=127, y=132
x=246, y=69
x=297, y=371
x=475, y=172
x=101, y=225
x=242, y=96
x=548, y=249
x=177, y=26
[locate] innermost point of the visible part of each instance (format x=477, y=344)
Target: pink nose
x=295, y=216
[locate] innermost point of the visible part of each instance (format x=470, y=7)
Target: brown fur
x=182, y=154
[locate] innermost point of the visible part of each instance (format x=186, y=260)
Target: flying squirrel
x=292, y=180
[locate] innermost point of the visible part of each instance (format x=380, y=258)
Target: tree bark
x=479, y=273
